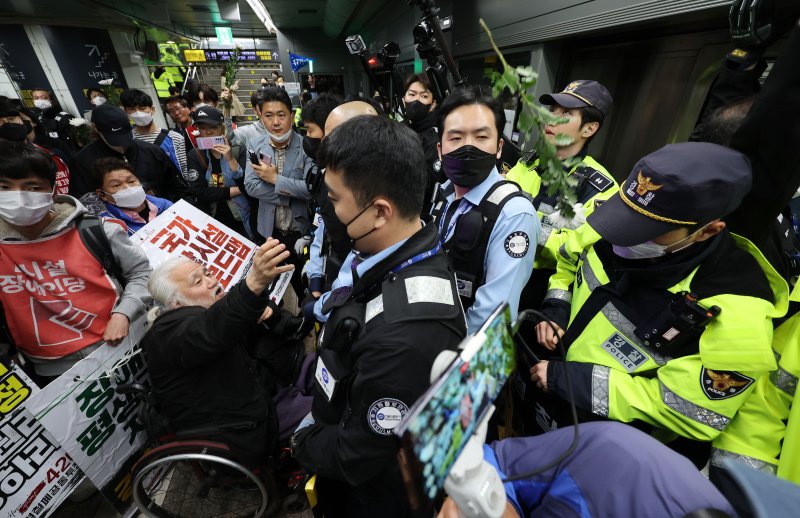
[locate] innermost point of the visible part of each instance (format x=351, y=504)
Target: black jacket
x=202, y=375
x=153, y=168
x=54, y=129
x=426, y=129
x=389, y=363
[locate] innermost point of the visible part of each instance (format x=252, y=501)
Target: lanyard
x=405, y=264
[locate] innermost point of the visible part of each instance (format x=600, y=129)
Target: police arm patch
x=723, y=384
x=384, y=415
x=517, y=244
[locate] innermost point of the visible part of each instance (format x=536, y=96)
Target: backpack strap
x=94, y=238
x=162, y=136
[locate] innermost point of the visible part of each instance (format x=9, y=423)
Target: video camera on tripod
x=431, y=46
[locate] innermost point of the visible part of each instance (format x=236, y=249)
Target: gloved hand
x=759, y=23
x=301, y=244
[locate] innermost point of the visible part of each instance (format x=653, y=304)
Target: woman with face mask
x=96, y=97
x=419, y=109
x=123, y=195
x=56, y=131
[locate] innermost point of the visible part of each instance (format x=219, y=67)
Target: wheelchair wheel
x=200, y=479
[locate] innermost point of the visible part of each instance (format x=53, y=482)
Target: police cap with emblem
x=579, y=94
x=680, y=185
x=208, y=115
x=113, y=124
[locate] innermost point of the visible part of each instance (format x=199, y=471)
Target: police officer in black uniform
x=393, y=309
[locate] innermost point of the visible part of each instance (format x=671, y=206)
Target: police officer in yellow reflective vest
x=586, y=105
x=669, y=318
x=765, y=434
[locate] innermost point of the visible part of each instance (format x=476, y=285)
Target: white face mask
x=129, y=198
x=42, y=104
x=142, y=118
x=97, y=101
x=280, y=139
x=24, y=208
x=651, y=250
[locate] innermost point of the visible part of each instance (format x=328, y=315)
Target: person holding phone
x=224, y=170
x=278, y=179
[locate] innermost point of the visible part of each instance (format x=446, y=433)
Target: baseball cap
x=579, y=94
x=676, y=186
x=113, y=124
x=208, y=115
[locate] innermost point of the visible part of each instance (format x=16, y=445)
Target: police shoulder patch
x=517, y=244
x=723, y=384
x=384, y=415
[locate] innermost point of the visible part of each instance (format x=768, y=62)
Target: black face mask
x=14, y=131
x=28, y=125
x=310, y=146
x=416, y=111
x=468, y=166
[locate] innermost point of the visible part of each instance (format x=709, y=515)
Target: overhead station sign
x=221, y=55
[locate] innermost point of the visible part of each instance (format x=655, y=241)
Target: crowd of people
x=667, y=300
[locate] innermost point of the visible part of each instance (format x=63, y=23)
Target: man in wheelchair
x=196, y=350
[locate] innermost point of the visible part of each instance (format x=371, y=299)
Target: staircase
x=249, y=81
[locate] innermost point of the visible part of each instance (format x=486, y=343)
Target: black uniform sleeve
x=212, y=332
x=359, y=447
x=766, y=136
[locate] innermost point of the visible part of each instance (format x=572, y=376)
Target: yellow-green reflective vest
x=768, y=417
x=631, y=381
x=552, y=235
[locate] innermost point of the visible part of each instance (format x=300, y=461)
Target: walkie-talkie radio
x=668, y=331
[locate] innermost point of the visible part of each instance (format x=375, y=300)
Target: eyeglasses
x=11, y=119
x=176, y=109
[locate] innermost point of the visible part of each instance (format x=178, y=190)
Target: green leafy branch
x=532, y=120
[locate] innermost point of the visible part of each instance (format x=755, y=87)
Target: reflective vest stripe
x=718, y=455
x=622, y=324
x=692, y=411
x=600, y=375
x=784, y=381
x=560, y=295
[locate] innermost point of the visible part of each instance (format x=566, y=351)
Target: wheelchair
x=184, y=475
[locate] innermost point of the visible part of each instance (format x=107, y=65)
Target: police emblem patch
x=723, y=384
x=384, y=415
x=517, y=244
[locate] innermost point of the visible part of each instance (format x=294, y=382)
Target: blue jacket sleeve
x=506, y=271
x=315, y=262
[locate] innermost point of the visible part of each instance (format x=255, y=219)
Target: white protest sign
x=99, y=428
x=36, y=473
x=184, y=230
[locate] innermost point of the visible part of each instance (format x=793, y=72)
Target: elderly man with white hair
x=200, y=371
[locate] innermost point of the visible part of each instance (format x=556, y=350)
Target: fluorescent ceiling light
x=262, y=14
